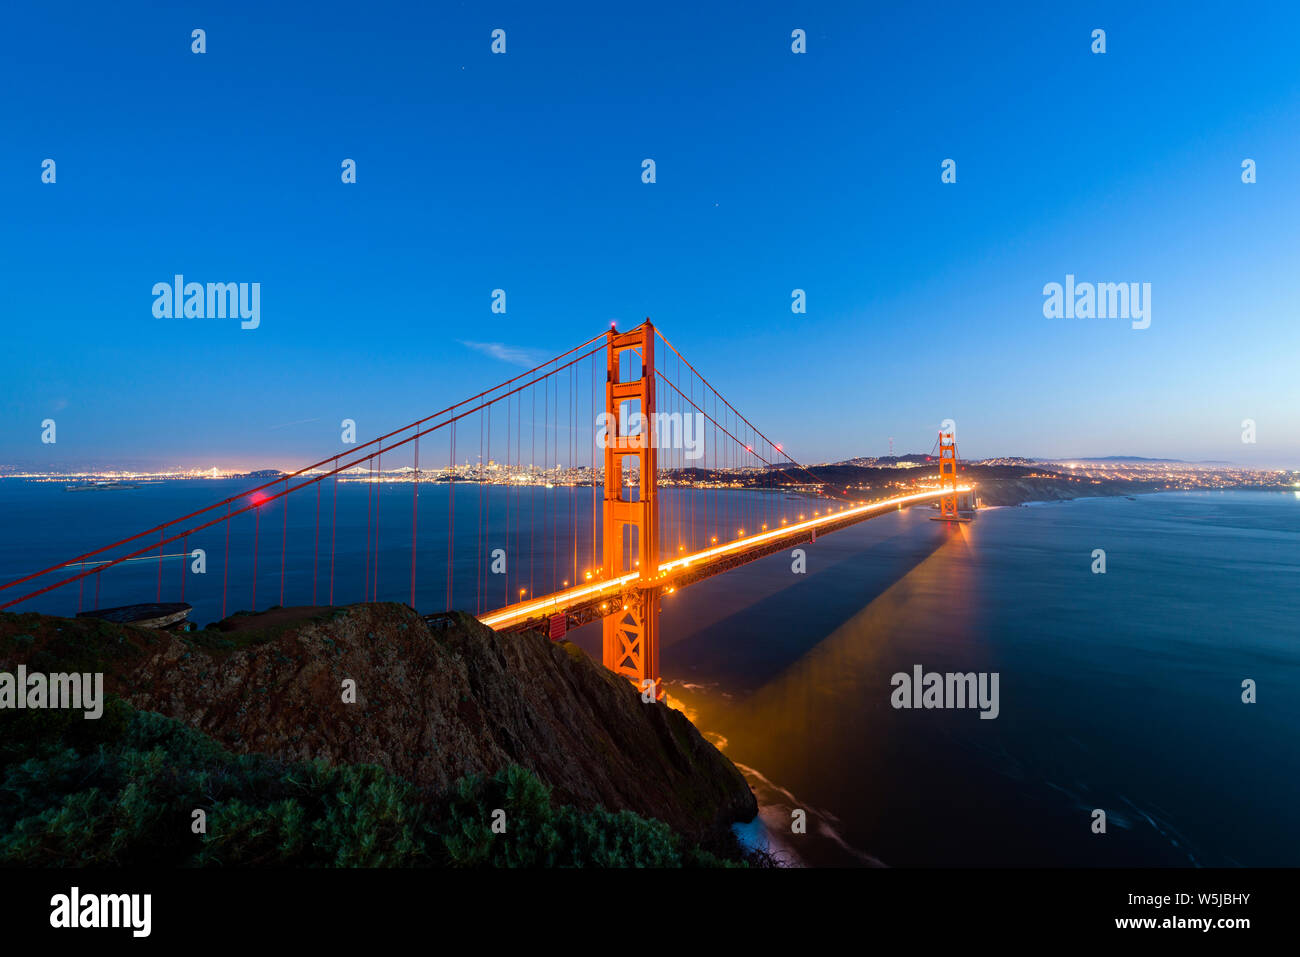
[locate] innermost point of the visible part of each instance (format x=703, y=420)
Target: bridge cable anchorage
x=683, y=486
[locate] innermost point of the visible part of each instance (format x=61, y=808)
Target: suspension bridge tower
x=948, y=476
x=631, y=629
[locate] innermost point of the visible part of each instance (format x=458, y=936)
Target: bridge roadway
x=594, y=599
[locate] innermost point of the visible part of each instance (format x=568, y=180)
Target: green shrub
x=123, y=793
x=537, y=833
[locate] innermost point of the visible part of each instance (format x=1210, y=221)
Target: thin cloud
x=515, y=355
x=285, y=425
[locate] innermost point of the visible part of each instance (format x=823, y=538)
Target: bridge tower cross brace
x=631, y=630
x=948, y=474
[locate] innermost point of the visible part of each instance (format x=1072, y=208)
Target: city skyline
x=471, y=471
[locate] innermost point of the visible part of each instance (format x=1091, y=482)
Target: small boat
x=156, y=615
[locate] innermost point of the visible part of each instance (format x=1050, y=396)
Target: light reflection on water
x=1118, y=691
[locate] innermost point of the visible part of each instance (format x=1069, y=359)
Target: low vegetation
x=123, y=791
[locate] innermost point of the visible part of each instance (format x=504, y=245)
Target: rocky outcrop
x=432, y=704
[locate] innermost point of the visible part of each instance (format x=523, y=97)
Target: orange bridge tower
x=631, y=629
x=948, y=475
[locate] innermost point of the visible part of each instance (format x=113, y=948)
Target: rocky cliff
x=431, y=704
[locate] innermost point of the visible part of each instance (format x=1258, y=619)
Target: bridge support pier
x=631, y=632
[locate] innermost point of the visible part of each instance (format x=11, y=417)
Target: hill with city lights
x=1011, y=480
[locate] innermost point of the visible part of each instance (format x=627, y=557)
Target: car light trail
x=563, y=600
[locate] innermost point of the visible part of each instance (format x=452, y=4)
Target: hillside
x=432, y=705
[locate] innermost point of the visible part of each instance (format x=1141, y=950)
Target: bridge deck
x=590, y=601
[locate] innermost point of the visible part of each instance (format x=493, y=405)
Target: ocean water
x=1119, y=692
x=348, y=543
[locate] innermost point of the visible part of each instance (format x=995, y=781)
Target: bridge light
x=714, y=539
x=764, y=528
x=588, y=576
x=522, y=592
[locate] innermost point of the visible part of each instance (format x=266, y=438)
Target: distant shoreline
x=1122, y=493
x=996, y=484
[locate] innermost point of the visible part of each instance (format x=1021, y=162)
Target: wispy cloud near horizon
x=285, y=425
x=515, y=355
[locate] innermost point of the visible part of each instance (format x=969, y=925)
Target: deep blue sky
x=775, y=171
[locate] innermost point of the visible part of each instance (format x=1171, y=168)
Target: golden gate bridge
x=664, y=512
